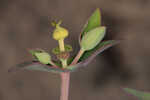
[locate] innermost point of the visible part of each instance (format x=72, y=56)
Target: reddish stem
x=77, y=57
x=65, y=80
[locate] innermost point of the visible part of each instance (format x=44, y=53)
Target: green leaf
x=41, y=56
x=139, y=94
x=92, y=38
x=93, y=22
x=101, y=46
x=33, y=52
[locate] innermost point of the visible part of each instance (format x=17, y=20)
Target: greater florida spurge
x=91, y=44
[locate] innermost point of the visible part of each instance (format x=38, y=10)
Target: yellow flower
x=60, y=34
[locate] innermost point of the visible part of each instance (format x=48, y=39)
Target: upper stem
x=65, y=80
x=64, y=63
x=80, y=53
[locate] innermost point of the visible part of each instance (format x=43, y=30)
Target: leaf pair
x=92, y=32
x=41, y=56
x=84, y=60
x=93, y=23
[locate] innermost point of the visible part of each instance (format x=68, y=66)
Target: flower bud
x=92, y=38
x=41, y=56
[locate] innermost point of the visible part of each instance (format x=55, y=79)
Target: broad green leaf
x=101, y=46
x=41, y=56
x=139, y=94
x=92, y=38
x=90, y=55
x=93, y=22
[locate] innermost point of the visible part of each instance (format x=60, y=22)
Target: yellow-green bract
x=43, y=57
x=92, y=38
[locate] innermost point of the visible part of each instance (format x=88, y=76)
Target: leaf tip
x=97, y=9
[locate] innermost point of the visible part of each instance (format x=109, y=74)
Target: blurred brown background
x=25, y=24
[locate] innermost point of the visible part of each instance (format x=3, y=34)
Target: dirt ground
x=26, y=24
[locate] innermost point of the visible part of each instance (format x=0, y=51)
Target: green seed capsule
x=92, y=38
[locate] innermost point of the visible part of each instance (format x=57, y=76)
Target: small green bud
x=92, y=38
x=41, y=56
